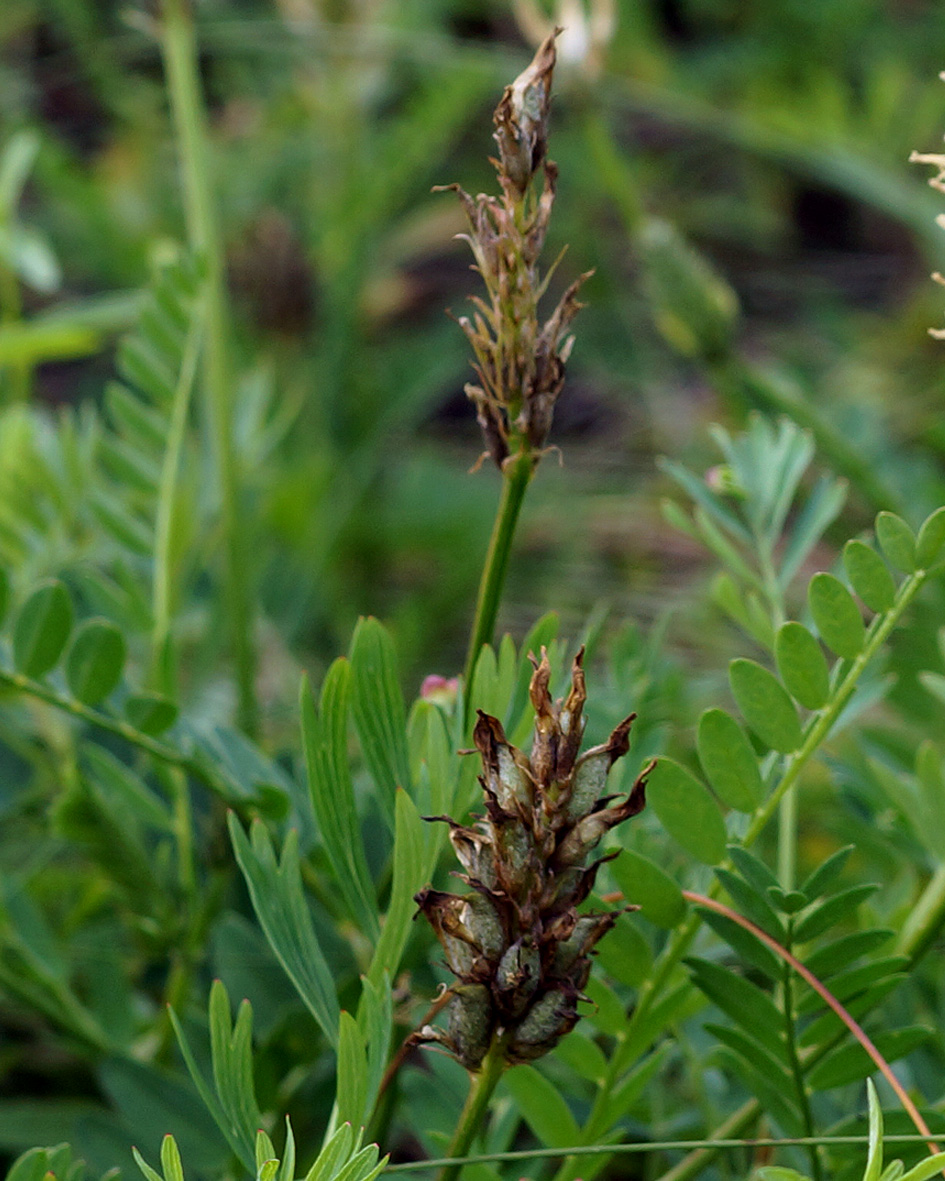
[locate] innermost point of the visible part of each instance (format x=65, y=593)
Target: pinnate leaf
x=41, y=628
x=802, y=665
x=542, y=1107
x=150, y=713
x=95, y=660
x=743, y=1002
x=869, y=575
x=649, y=886
x=765, y=705
x=729, y=761
x=931, y=539
x=897, y=541
x=687, y=811
x=837, y=616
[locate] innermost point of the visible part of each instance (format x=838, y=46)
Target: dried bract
x=516, y=944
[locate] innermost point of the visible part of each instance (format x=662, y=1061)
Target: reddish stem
x=824, y=993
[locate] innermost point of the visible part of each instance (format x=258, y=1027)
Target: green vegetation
x=244, y=511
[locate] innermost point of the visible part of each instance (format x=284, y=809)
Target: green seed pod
x=480, y=919
x=517, y=976
x=470, y=1024
x=548, y=1020
x=587, y=930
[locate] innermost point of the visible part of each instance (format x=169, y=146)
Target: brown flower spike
x=519, y=361
x=518, y=947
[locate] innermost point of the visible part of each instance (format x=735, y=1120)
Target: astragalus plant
x=150, y=846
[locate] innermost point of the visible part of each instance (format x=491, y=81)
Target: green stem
x=169, y=755
x=925, y=918
x=178, y=45
x=470, y=1120
x=163, y=670
x=797, y=1070
x=515, y=480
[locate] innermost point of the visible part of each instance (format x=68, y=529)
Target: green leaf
x=542, y=1107
x=838, y=954
x=752, y=1051
x=897, y=542
x=822, y=507
x=837, y=616
x=687, y=811
x=925, y=1169
x=151, y=713
x=765, y=705
x=408, y=872
x=352, y=1072
x=335, y=1152
x=802, y=665
x=752, y=869
x=874, y=1157
x=647, y=885
x=624, y=954
x=852, y=981
x=41, y=628
x=729, y=761
x=743, y=1002
x=325, y=743
x=231, y=1047
x=376, y=1022
x=832, y=910
x=149, y=1173
x=95, y=660
x=582, y=1055
x=4, y=594
x=608, y=1013
x=745, y=943
x=170, y=1160
x=869, y=575
x=379, y=712
x=823, y=877
x=276, y=893
x=931, y=539
x=751, y=904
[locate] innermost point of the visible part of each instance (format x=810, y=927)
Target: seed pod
x=592, y=769
x=587, y=930
x=517, y=976
x=547, y=1022
x=506, y=770
x=469, y=1025
x=517, y=939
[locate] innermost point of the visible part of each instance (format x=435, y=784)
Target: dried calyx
x=519, y=361
x=517, y=945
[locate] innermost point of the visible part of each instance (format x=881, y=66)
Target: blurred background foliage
x=772, y=137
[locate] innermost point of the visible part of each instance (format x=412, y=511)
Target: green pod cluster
x=516, y=944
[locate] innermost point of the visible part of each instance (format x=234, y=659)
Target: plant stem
x=192, y=764
x=515, y=480
x=163, y=669
x=178, y=45
x=470, y=1120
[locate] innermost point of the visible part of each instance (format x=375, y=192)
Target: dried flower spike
x=519, y=362
x=516, y=944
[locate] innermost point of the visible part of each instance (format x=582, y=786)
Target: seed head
x=516, y=944
x=519, y=361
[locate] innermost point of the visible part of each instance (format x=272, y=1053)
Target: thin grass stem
x=178, y=45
